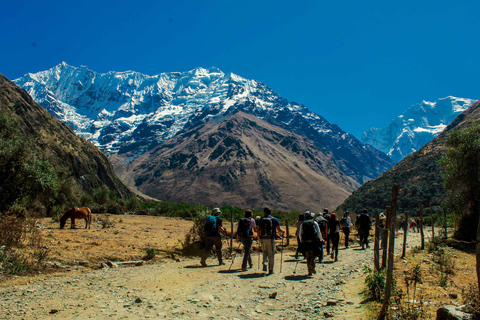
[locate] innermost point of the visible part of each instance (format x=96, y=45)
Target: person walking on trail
x=382, y=225
x=364, y=224
x=322, y=224
x=212, y=229
x=310, y=241
x=245, y=229
x=301, y=218
x=333, y=230
x=346, y=223
x=266, y=228
x=326, y=216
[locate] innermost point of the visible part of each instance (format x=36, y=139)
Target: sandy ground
x=182, y=289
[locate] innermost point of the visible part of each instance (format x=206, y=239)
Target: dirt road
x=183, y=290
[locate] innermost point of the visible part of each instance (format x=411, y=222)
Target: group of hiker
x=313, y=231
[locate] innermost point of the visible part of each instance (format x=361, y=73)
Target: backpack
x=244, y=227
x=343, y=222
x=308, y=231
x=266, y=227
x=322, y=224
x=210, y=226
x=365, y=222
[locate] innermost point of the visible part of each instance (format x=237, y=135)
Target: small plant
x=407, y=307
x=471, y=298
x=150, y=253
x=375, y=282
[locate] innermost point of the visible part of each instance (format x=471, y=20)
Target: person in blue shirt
x=267, y=228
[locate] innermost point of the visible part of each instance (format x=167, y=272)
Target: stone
x=331, y=302
x=447, y=312
x=273, y=295
x=53, y=311
x=138, y=300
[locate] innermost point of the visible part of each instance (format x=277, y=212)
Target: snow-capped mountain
x=129, y=112
x=415, y=127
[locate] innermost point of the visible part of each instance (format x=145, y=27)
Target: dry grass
x=432, y=292
x=112, y=237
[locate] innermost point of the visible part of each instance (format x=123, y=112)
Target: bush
x=12, y=231
x=375, y=282
x=471, y=298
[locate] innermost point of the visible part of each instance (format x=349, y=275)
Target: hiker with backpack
x=310, y=241
x=245, y=228
x=364, y=224
x=346, y=223
x=212, y=228
x=327, y=217
x=322, y=224
x=301, y=218
x=266, y=228
x=333, y=232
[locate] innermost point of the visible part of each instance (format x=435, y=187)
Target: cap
x=248, y=211
x=333, y=214
x=216, y=210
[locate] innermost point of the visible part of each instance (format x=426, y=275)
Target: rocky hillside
x=131, y=113
x=415, y=127
x=241, y=161
x=418, y=175
x=55, y=142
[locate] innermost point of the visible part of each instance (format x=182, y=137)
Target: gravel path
x=182, y=290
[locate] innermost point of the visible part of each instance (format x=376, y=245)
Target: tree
x=461, y=168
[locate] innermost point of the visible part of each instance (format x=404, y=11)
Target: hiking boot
x=203, y=263
x=244, y=269
x=250, y=266
x=336, y=259
x=221, y=263
x=309, y=273
x=270, y=272
x=331, y=255
x=264, y=268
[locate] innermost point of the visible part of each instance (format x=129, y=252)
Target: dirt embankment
x=182, y=289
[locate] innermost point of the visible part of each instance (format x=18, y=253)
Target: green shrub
x=375, y=282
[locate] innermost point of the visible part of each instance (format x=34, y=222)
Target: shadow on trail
x=297, y=277
x=252, y=275
x=229, y=271
x=199, y=266
x=290, y=260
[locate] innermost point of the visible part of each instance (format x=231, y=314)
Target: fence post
x=288, y=232
x=422, y=236
x=391, y=251
x=231, y=236
x=405, y=236
x=445, y=222
x=433, y=222
x=386, y=236
x=376, y=262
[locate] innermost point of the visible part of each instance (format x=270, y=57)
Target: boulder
x=447, y=312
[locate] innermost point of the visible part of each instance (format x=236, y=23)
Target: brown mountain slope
x=241, y=161
x=57, y=143
x=418, y=175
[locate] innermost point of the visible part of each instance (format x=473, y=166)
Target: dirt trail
x=182, y=290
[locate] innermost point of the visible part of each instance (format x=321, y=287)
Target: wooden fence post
x=288, y=232
x=422, y=247
x=376, y=262
x=391, y=251
x=385, y=237
x=433, y=222
x=404, y=251
x=445, y=222
x=231, y=236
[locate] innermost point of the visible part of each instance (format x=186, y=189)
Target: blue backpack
x=210, y=226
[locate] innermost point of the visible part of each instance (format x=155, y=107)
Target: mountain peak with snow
x=417, y=126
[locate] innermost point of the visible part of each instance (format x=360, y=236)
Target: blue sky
x=357, y=63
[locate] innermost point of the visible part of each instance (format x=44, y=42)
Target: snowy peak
x=129, y=112
x=417, y=126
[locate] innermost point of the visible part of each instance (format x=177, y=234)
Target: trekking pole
x=235, y=255
x=259, y=254
x=294, y=271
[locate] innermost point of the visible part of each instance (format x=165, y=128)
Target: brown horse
x=76, y=213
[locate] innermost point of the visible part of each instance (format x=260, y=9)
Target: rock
x=138, y=300
x=53, y=311
x=453, y=295
x=447, y=312
x=327, y=314
x=273, y=295
x=331, y=302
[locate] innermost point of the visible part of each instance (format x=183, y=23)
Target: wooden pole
x=388, y=285
x=288, y=232
x=405, y=236
x=421, y=227
x=385, y=236
x=433, y=222
x=231, y=236
x=376, y=262
x=445, y=223
x=391, y=211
